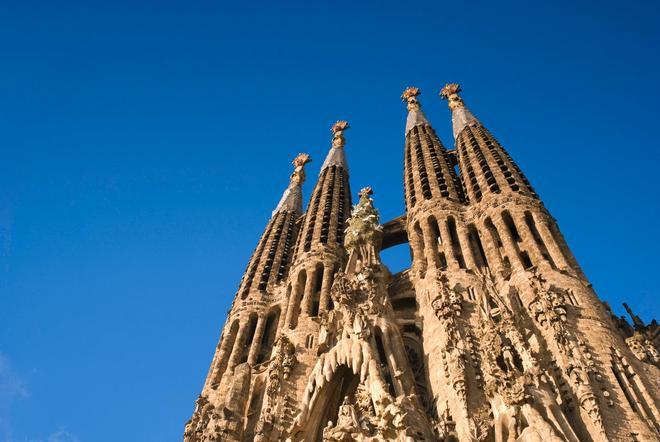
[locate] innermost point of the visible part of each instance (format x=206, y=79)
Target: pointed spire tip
x=292, y=196
x=450, y=93
x=410, y=94
x=415, y=115
x=336, y=155
x=461, y=116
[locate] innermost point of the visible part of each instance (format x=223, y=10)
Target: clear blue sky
x=144, y=144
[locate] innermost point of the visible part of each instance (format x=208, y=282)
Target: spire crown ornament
x=292, y=196
x=450, y=93
x=336, y=156
x=461, y=116
x=410, y=96
x=338, y=129
x=415, y=115
x=298, y=175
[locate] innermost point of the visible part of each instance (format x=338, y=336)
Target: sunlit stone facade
x=493, y=334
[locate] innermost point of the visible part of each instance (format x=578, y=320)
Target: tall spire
x=330, y=202
x=486, y=166
x=271, y=259
x=292, y=196
x=428, y=169
x=336, y=156
x=319, y=250
x=460, y=115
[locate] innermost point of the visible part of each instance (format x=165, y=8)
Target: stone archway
x=343, y=384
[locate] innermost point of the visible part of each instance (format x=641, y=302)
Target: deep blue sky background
x=144, y=145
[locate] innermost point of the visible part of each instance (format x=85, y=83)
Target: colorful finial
x=338, y=133
x=298, y=175
x=410, y=96
x=450, y=93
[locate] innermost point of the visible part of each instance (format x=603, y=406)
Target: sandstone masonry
x=493, y=334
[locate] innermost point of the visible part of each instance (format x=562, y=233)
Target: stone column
x=326, y=285
x=490, y=248
x=447, y=246
x=509, y=243
x=256, y=341
x=310, y=282
x=430, y=249
x=294, y=300
x=417, y=245
x=238, y=346
x=466, y=246
x=528, y=240
x=549, y=240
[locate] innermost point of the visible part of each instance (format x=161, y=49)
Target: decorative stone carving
x=281, y=365
x=643, y=348
x=348, y=343
x=520, y=393
x=447, y=303
x=410, y=96
x=298, y=175
x=401, y=357
x=338, y=133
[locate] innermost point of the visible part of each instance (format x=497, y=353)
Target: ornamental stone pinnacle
x=292, y=196
x=336, y=156
x=298, y=175
x=338, y=133
x=492, y=334
x=363, y=229
x=415, y=115
x=450, y=93
x=461, y=116
x=410, y=96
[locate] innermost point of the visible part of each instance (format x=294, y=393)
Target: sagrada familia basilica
x=493, y=334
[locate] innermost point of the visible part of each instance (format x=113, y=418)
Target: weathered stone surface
x=493, y=334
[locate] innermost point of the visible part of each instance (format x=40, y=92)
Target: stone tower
x=493, y=334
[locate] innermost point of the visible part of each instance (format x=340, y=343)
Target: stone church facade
x=493, y=334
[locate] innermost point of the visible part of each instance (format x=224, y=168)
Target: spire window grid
x=299, y=234
x=410, y=183
x=489, y=137
x=272, y=251
x=421, y=168
x=311, y=221
x=256, y=257
x=433, y=147
x=287, y=247
x=327, y=206
x=487, y=173
x=497, y=152
x=474, y=184
x=344, y=201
